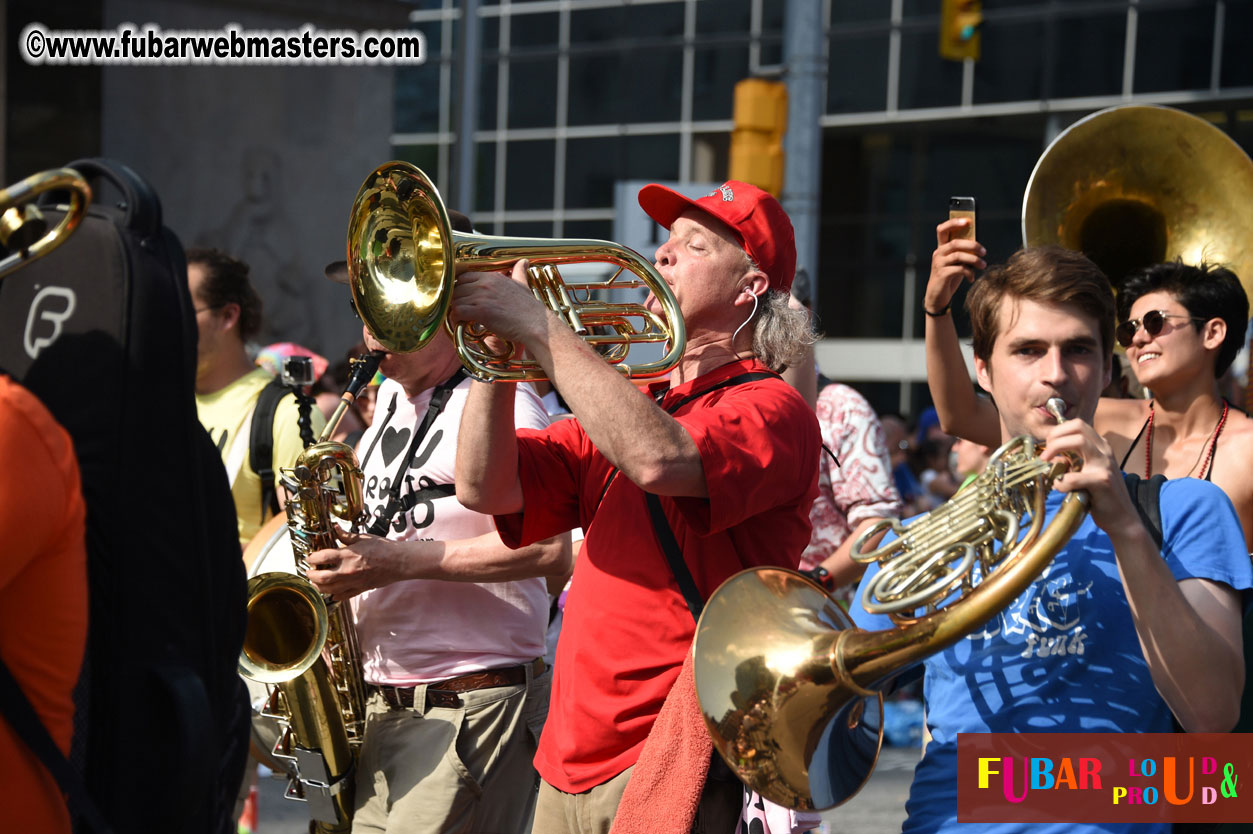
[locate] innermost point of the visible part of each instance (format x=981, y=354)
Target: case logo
x=52, y=305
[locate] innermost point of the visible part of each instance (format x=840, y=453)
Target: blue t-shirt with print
x=1064, y=656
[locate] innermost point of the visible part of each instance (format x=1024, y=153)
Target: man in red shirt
x=728, y=447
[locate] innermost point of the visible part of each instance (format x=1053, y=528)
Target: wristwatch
x=822, y=576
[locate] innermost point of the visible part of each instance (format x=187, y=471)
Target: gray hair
x=780, y=333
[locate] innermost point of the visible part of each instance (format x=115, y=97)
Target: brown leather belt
x=444, y=693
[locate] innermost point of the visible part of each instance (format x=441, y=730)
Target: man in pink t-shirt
x=450, y=621
x=727, y=453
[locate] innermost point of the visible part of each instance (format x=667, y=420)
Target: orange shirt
x=43, y=597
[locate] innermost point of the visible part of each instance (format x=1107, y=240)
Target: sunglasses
x=1152, y=321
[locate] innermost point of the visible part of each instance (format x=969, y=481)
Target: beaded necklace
x=1209, y=454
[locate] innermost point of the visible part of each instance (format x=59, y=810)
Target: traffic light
x=760, y=117
x=959, y=29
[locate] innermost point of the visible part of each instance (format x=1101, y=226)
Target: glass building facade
x=576, y=95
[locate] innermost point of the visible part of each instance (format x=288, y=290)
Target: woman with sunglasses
x=1181, y=327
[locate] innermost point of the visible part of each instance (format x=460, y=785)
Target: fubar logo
x=53, y=305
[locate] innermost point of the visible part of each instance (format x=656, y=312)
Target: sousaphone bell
x=1137, y=185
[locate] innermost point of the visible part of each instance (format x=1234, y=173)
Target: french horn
x=790, y=689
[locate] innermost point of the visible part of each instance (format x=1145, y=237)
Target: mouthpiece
x=363, y=370
x=1057, y=407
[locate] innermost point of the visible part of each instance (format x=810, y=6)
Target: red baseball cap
x=755, y=217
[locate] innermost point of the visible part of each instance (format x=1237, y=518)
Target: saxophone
x=303, y=646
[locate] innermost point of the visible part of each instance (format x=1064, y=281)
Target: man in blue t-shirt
x=1115, y=635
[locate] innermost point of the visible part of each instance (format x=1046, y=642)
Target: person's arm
x=647, y=445
x=366, y=562
x=486, y=471
x=1189, y=630
x=840, y=564
x=866, y=497
x=961, y=412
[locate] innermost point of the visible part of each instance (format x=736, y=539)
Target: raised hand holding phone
x=957, y=256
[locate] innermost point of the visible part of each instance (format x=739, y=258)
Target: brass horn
x=403, y=258
x=789, y=688
x=22, y=225
x=1136, y=185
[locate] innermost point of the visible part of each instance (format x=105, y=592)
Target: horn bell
x=779, y=714
x=1136, y=185
x=400, y=257
x=404, y=257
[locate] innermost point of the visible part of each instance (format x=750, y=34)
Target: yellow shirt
x=227, y=416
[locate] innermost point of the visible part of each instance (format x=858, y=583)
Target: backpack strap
x=17, y=709
x=261, y=442
x=1146, y=495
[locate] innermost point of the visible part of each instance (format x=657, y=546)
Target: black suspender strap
x=17, y=708
x=378, y=435
x=738, y=379
x=439, y=398
x=661, y=527
x=670, y=547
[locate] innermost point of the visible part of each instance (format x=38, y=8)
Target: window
x=1011, y=66
x=725, y=16
x=593, y=166
x=425, y=157
x=1237, y=69
x=532, y=31
x=529, y=175
x=417, y=99
x=717, y=71
x=927, y=80
x=533, y=92
x=484, y=176
x=1087, y=55
x=857, y=74
x=1174, y=49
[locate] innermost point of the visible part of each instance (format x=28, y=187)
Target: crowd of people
x=473, y=492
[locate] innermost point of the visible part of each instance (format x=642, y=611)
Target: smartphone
x=963, y=207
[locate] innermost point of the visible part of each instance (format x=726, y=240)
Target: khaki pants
x=593, y=810
x=436, y=770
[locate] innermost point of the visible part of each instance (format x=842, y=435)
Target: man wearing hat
x=726, y=453
x=450, y=622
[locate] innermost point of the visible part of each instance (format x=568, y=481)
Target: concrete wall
x=262, y=162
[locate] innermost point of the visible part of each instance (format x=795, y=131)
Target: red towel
x=666, y=785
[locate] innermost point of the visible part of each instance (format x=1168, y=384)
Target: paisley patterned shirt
x=860, y=487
